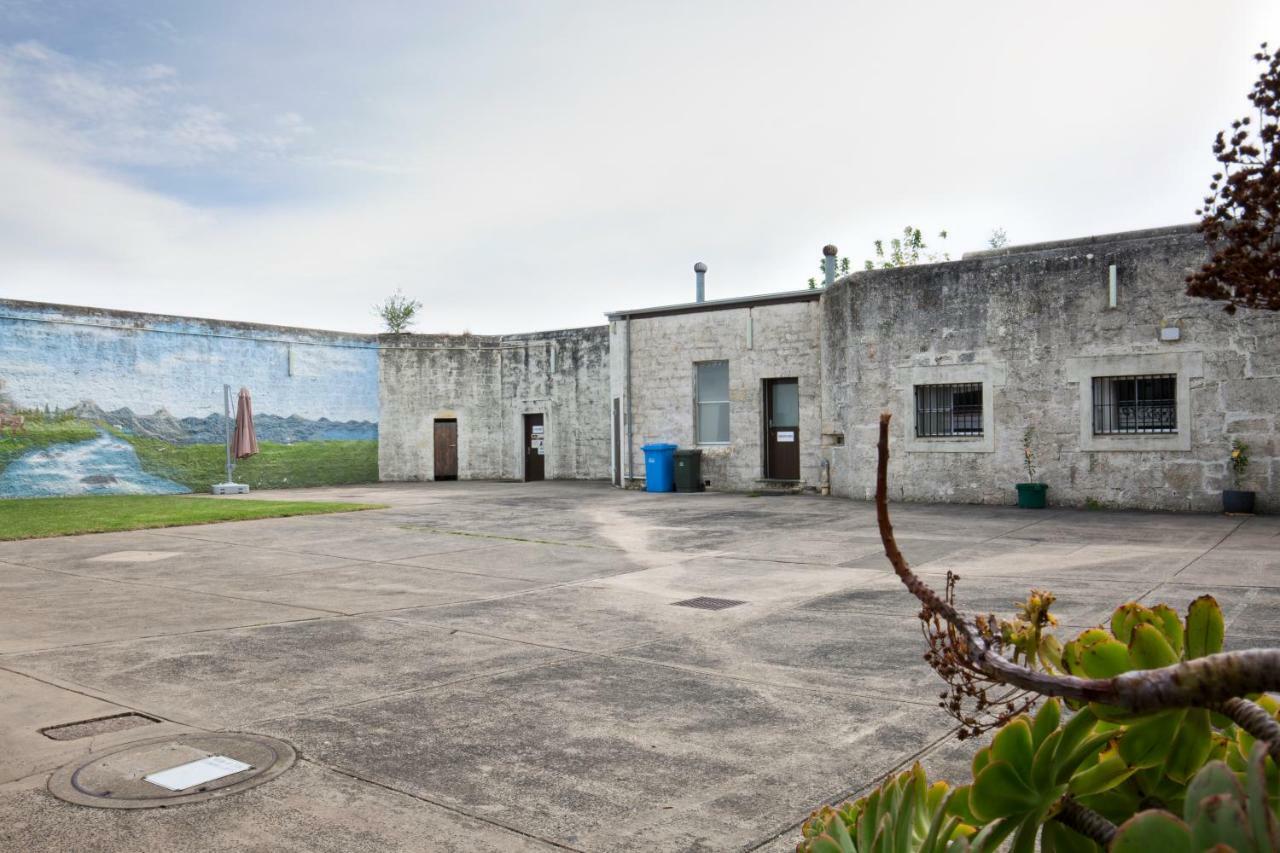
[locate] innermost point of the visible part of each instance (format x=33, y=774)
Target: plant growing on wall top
x=398, y=312
x=906, y=251
x=1240, y=219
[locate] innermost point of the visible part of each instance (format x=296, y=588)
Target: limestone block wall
x=1034, y=325
x=759, y=342
x=488, y=384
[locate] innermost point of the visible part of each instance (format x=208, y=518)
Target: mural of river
x=104, y=465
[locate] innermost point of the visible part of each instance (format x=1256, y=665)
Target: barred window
x=1133, y=405
x=712, y=402
x=946, y=410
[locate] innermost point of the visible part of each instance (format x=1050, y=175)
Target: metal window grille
x=952, y=409
x=1134, y=405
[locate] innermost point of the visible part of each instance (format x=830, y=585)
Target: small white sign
x=786, y=437
x=541, y=452
x=537, y=429
x=536, y=443
x=199, y=772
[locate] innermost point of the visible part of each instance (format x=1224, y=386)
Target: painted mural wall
x=111, y=402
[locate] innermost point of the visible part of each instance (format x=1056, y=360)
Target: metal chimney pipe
x=700, y=270
x=829, y=264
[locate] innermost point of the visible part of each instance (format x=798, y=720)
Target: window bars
x=953, y=409
x=1134, y=405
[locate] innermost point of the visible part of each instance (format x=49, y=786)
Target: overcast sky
x=526, y=166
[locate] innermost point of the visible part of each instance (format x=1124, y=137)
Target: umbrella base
x=230, y=489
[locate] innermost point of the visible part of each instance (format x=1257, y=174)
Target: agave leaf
x=1065, y=765
x=1148, y=648
x=1110, y=771
x=1147, y=742
x=1214, y=779
x=993, y=835
x=827, y=844
x=1262, y=821
x=1024, y=839
x=1150, y=831
x=1191, y=747
x=1205, y=627
x=1221, y=820
x=1051, y=652
x=959, y=806
x=1170, y=625
x=1013, y=745
x=1000, y=791
x=981, y=759
x=1082, y=722
x=1105, y=659
x=1047, y=719
x=838, y=832
x=1042, y=767
x=1123, y=619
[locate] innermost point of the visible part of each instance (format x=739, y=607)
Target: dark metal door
x=446, y=450
x=617, y=441
x=534, y=448
x=782, y=429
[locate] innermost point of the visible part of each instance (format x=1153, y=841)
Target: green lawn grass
x=277, y=466
x=29, y=518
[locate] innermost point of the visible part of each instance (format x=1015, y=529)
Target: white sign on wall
x=537, y=429
x=786, y=437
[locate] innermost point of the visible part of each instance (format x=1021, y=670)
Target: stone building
x=508, y=407
x=1127, y=392
x=1132, y=391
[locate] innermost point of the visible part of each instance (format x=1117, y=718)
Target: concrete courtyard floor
x=493, y=666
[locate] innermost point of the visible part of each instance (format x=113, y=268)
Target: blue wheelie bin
x=659, y=467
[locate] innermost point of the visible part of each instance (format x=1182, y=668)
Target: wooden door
x=617, y=441
x=782, y=429
x=534, y=448
x=446, y=449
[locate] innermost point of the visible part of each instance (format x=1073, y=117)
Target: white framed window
x=1135, y=405
x=711, y=402
x=1135, y=402
x=949, y=409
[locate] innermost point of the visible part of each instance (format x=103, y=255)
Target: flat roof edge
x=807, y=295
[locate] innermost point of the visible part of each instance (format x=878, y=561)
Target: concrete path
x=490, y=666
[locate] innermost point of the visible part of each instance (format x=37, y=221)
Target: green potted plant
x=1031, y=495
x=1237, y=500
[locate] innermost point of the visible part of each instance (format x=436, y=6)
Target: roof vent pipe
x=700, y=270
x=829, y=265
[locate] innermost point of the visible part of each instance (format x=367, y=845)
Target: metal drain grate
x=703, y=602
x=97, y=726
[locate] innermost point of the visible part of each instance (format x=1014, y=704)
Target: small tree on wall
x=1241, y=215
x=398, y=312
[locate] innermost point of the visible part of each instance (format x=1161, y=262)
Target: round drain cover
x=118, y=779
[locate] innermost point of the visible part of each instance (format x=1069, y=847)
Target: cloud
x=128, y=115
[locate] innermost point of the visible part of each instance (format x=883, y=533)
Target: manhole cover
x=703, y=602
x=116, y=780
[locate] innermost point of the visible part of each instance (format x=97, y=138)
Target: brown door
x=446, y=447
x=534, y=448
x=617, y=441
x=782, y=429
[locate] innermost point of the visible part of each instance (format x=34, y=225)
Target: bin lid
x=649, y=447
x=689, y=452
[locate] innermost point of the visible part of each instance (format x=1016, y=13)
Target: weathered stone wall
x=1034, y=325
x=488, y=384
x=759, y=342
x=116, y=402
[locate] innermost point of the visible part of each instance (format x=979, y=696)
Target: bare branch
x=1085, y=821
x=1200, y=683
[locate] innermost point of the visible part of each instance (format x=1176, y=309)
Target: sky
x=523, y=166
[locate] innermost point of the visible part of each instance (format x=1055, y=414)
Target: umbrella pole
x=226, y=401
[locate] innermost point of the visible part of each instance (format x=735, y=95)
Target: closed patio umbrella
x=245, y=442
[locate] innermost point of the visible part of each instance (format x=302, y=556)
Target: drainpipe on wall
x=630, y=461
x=700, y=289
x=828, y=265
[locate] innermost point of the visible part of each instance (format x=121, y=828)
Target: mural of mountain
x=211, y=428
